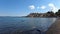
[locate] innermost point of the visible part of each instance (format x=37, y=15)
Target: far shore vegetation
x=48, y=14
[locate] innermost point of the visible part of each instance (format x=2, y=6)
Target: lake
x=16, y=25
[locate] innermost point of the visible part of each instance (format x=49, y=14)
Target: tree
x=58, y=13
x=50, y=14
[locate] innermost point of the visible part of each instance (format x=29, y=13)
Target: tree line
x=48, y=14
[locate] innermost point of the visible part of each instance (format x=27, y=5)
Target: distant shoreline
x=27, y=17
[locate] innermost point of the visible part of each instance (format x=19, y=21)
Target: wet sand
x=55, y=28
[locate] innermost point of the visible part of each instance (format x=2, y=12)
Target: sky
x=24, y=7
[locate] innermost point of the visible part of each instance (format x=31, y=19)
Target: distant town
x=48, y=14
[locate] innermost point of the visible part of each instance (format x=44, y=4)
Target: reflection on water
x=12, y=25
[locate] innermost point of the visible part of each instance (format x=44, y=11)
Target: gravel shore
x=55, y=28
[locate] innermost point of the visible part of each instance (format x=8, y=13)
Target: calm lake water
x=10, y=25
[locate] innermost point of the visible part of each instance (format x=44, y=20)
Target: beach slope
x=55, y=28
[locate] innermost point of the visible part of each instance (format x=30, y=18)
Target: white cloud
x=32, y=7
x=43, y=7
x=53, y=7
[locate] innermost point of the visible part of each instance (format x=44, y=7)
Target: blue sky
x=24, y=7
